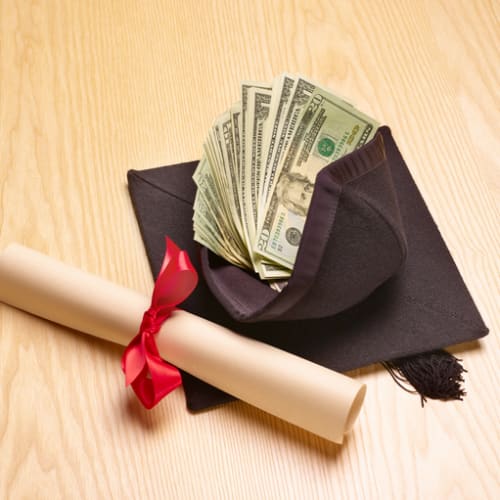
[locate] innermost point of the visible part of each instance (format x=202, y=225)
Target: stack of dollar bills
x=261, y=157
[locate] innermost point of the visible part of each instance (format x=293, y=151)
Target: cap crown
x=353, y=241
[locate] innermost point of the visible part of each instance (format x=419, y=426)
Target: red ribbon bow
x=151, y=377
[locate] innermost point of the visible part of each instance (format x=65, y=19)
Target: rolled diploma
x=301, y=392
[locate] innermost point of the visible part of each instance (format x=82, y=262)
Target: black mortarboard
x=373, y=280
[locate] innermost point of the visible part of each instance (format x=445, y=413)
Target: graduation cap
x=373, y=280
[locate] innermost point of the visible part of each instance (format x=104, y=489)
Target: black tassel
x=435, y=375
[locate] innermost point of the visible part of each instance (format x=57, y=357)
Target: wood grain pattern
x=91, y=89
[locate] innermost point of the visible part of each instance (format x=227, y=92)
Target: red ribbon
x=151, y=377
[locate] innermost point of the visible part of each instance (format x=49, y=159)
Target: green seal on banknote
x=326, y=147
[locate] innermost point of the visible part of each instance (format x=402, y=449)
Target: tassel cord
x=435, y=375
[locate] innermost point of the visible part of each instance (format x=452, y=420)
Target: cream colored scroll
x=308, y=395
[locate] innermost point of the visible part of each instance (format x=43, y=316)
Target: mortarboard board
x=373, y=280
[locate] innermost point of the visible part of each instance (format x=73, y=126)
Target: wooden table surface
x=90, y=89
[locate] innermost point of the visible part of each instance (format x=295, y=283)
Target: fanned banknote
x=261, y=158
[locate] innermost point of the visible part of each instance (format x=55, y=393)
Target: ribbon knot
x=150, y=376
x=152, y=321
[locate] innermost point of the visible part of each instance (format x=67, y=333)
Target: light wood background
x=90, y=89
